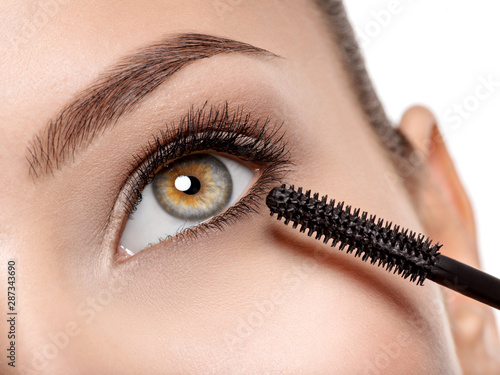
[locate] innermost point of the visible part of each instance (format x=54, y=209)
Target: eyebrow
x=118, y=91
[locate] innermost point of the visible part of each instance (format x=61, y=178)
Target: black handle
x=466, y=280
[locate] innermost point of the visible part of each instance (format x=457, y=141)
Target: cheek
x=261, y=302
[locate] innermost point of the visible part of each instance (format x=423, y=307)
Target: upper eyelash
x=218, y=129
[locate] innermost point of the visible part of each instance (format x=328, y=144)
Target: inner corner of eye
x=185, y=193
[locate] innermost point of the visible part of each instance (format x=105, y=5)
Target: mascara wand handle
x=466, y=280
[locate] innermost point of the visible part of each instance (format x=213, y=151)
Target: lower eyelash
x=218, y=129
x=271, y=176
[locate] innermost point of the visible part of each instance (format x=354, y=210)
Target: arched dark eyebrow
x=117, y=92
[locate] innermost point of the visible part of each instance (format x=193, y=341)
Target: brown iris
x=194, y=187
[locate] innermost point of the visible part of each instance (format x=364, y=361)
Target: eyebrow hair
x=117, y=91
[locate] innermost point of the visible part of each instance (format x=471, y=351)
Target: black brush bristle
x=395, y=248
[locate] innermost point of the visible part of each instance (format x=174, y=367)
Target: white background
x=436, y=53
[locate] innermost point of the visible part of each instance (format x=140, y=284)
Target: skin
x=256, y=297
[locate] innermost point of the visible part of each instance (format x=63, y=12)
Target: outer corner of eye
x=185, y=193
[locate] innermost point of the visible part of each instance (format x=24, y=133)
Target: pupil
x=188, y=184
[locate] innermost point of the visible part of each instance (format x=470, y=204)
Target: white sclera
x=150, y=221
x=182, y=183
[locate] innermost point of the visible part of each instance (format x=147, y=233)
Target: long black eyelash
x=218, y=129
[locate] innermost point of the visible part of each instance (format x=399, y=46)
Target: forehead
x=55, y=48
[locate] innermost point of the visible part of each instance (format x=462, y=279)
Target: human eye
x=192, y=178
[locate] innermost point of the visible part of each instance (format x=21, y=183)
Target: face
x=239, y=292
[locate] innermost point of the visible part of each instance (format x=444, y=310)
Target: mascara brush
x=399, y=250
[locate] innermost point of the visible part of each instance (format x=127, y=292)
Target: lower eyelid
x=247, y=203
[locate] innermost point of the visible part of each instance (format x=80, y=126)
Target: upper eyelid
x=258, y=135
